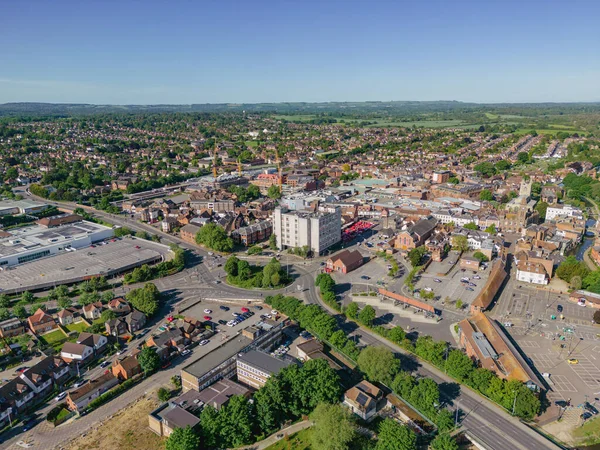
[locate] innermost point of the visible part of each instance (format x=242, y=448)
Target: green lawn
x=62, y=414
x=53, y=337
x=297, y=441
x=79, y=327
x=589, y=433
x=551, y=131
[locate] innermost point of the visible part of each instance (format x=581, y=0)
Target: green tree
x=27, y=297
x=444, y=420
x=64, y=302
x=214, y=237
x=523, y=157
x=270, y=402
x=107, y=315
x=367, y=315
x=480, y=257
x=486, y=169
x=444, y=441
x=379, y=364
x=352, y=310
x=236, y=419
x=149, y=360
x=571, y=267
x=486, y=195
x=4, y=301
x=393, y=436
x=415, y=256
x=231, y=266
x=333, y=427
x=274, y=192
x=459, y=365
x=4, y=313
x=471, y=226
x=576, y=282
x=183, y=439
x=176, y=382
x=459, y=304
x=541, y=208
x=163, y=394
x=145, y=300
x=491, y=229
x=210, y=426
x=20, y=311
x=460, y=243
x=88, y=298
x=273, y=242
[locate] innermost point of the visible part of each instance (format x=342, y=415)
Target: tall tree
x=393, y=436
x=333, y=427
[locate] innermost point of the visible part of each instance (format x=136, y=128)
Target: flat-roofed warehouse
x=47, y=237
x=13, y=207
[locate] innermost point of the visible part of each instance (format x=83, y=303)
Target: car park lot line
x=587, y=371
x=529, y=344
x=542, y=360
x=563, y=384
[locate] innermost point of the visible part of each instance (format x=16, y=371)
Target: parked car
x=470, y=289
x=590, y=408
x=365, y=277
x=561, y=403
x=223, y=322
x=573, y=361
x=258, y=307
x=186, y=352
x=437, y=280
x=207, y=311
x=559, y=308
x=204, y=342
x=207, y=318
x=224, y=308
x=274, y=312
x=60, y=396
x=245, y=310
x=104, y=364
x=476, y=277
x=79, y=384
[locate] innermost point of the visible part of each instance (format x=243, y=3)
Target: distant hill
x=392, y=108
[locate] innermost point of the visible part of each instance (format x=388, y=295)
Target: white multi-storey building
x=563, y=211
x=318, y=230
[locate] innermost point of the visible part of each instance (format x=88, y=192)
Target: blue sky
x=204, y=51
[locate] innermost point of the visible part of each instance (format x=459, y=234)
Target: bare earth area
x=127, y=430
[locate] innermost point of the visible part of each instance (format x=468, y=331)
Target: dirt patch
x=127, y=430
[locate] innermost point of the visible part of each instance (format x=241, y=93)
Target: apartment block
x=316, y=230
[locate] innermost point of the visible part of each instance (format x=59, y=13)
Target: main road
x=491, y=425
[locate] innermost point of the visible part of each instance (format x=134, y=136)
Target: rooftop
x=263, y=361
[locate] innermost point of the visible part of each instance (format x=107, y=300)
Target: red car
x=106, y=371
x=22, y=369
x=167, y=364
x=207, y=318
x=245, y=310
x=138, y=247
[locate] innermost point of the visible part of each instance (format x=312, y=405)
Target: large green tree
x=183, y=439
x=214, y=237
x=444, y=441
x=149, y=360
x=379, y=364
x=333, y=427
x=393, y=436
x=145, y=299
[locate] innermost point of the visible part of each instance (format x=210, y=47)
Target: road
x=482, y=418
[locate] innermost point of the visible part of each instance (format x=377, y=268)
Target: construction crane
x=278, y=161
x=214, y=164
x=239, y=164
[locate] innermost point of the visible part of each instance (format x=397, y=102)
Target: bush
x=114, y=392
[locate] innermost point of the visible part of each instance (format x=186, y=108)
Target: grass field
x=79, y=327
x=126, y=430
x=589, y=433
x=297, y=441
x=377, y=122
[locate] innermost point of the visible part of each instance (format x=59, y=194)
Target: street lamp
x=515, y=402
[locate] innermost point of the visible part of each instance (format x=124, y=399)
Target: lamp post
x=515, y=402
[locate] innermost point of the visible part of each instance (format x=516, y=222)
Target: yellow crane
x=239, y=164
x=214, y=164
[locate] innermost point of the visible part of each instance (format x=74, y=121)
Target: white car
x=79, y=384
x=208, y=311
x=204, y=342
x=186, y=352
x=230, y=323
x=274, y=312
x=60, y=396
